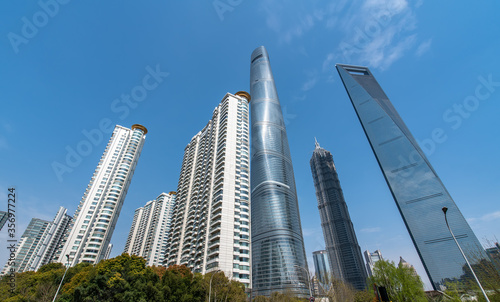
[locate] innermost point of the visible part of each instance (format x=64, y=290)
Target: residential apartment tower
x=149, y=231
x=210, y=227
x=39, y=243
x=95, y=218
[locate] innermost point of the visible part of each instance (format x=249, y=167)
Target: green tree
x=364, y=296
x=76, y=276
x=124, y=278
x=401, y=282
x=179, y=284
x=339, y=291
x=224, y=289
x=286, y=296
x=488, y=276
x=30, y=286
x=260, y=299
x=485, y=271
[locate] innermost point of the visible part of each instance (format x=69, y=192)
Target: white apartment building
x=210, y=228
x=94, y=221
x=370, y=259
x=39, y=243
x=149, y=231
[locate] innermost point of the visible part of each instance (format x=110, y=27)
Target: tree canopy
x=401, y=282
x=124, y=278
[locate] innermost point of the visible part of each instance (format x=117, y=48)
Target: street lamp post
x=210, y=287
x=445, y=209
x=67, y=266
x=307, y=277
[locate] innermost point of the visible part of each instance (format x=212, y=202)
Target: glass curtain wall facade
x=39, y=243
x=210, y=227
x=278, y=255
x=95, y=218
x=321, y=266
x=150, y=228
x=3, y=219
x=415, y=186
x=28, y=247
x=344, y=254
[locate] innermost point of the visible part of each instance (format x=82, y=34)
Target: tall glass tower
x=344, y=254
x=278, y=256
x=321, y=266
x=38, y=243
x=415, y=186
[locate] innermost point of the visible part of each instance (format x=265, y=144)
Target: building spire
x=316, y=143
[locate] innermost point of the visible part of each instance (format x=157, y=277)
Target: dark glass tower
x=344, y=254
x=278, y=256
x=321, y=266
x=415, y=186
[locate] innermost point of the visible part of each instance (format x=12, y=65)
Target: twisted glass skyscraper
x=344, y=254
x=415, y=186
x=278, y=256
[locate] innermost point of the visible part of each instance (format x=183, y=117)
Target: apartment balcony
x=215, y=223
x=214, y=243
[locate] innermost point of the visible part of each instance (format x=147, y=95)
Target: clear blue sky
x=63, y=67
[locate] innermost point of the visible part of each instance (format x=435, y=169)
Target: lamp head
x=445, y=209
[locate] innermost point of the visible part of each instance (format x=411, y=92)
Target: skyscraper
x=94, y=221
x=39, y=242
x=344, y=254
x=55, y=233
x=278, y=255
x=371, y=258
x=149, y=231
x=415, y=186
x=28, y=246
x=3, y=218
x=210, y=227
x=321, y=266
x=404, y=263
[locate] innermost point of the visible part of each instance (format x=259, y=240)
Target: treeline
x=127, y=278
x=124, y=278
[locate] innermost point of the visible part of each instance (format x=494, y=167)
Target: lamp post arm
x=463, y=254
x=60, y=284
x=210, y=287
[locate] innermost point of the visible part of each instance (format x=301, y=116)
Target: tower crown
x=244, y=94
x=140, y=127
